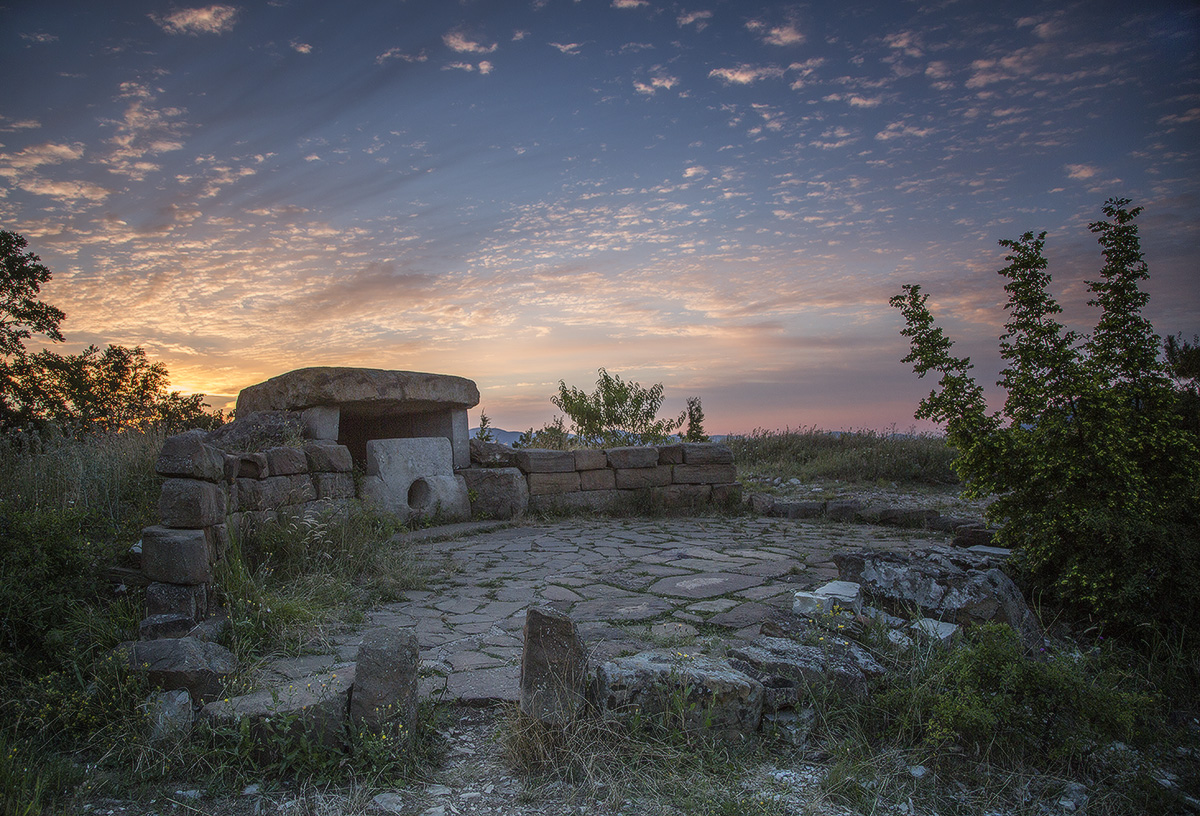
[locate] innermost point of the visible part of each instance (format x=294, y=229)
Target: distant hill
x=509, y=437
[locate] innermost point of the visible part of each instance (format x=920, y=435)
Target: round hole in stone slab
x=419, y=495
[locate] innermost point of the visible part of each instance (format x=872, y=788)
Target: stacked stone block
x=206, y=491
x=677, y=476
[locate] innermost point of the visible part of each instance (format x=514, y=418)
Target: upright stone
x=175, y=556
x=553, y=667
x=384, y=695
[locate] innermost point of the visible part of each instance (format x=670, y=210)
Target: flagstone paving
x=621, y=580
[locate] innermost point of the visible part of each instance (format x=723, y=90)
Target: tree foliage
x=617, y=413
x=111, y=390
x=1096, y=475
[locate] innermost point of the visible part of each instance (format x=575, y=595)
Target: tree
x=695, y=422
x=617, y=413
x=484, y=434
x=1096, y=477
x=21, y=314
x=111, y=390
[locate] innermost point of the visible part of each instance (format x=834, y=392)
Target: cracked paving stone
x=704, y=585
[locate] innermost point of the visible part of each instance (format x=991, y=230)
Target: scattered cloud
x=458, y=41
x=628, y=4
x=745, y=74
x=695, y=171
x=898, y=130
x=396, y=53
x=567, y=48
x=485, y=67
x=301, y=47
x=38, y=155
x=217, y=19
x=697, y=18
x=663, y=82
x=1081, y=171
x=39, y=37
x=69, y=192
x=778, y=35
x=10, y=125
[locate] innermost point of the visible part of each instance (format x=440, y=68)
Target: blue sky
x=719, y=196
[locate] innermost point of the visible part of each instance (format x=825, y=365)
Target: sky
x=718, y=196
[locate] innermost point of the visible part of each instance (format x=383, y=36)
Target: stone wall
x=208, y=491
x=677, y=476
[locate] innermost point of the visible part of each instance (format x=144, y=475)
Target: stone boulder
x=789, y=670
x=257, y=431
x=704, y=691
x=948, y=585
x=312, y=708
x=384, y=694
x=188, y=456
x=496, y=492
x=553, y=668
x=201, y=667
x=414, y=478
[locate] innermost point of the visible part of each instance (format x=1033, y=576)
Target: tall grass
x=811, y=454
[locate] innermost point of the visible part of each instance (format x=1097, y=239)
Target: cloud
x=567, y=48
x=695, y=171
x=216, y=19
x=396, y=53
x=783, y=35
x=457, y=41
x=9, y=125
x=143, y=131
x=898, y=130
x=485, y=67
x=70, y=192
x=39, y=37
x=906, y=41
x=745, y=74
x=301, y=47
x=38, y=155
x=661, y=82
x=1081, y=171
x=697, y=18
x=628, y=4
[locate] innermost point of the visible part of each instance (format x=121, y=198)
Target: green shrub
x=1096, y=473
x=989, y=699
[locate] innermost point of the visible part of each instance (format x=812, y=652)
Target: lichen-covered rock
x=553, y=667
x=384, y=695
x=702, y=691
x=201, y=667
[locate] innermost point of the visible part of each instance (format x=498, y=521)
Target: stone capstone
x=703, y=692
x=369, y=390
x=553, y=667
x=384, y=694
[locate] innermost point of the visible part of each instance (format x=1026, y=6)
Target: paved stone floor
x=629, y=584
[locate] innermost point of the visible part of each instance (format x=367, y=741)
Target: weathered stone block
x=284, y=461
x=190, y=503
x=164, y=626
x=593, y=500
x=713, y=693
x=301, y=489
x=632, y=457
x=324, y=457
x=175, y=556
x=252, y=466
x=321, y=422
x=541, y=484
x=499, y=493
x=492, y=454
x=605, y=479
x=706, y=453
x=334, y=485
x=776, y=661
x=218, y=542
x=727, y=495
x=169, y=714
x=415, y=478
x=312, y=708
x=384, y=695
x=536, y=460
x=670, y=454
x=189, y=600
x=590, y=459
x=634, y=478
x=843, y=595
x=705, y=474
x=843, y=510
x=263, y=494
x=201, y=667
x=186, y=455
x=553, y=667
x=687, y=495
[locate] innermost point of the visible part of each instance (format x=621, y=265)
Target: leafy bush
x=1097, y=476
